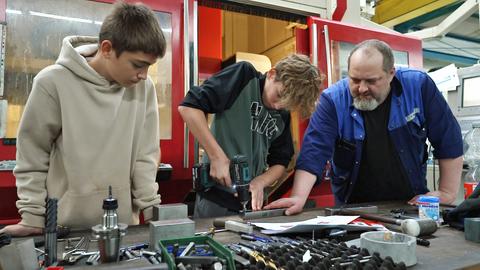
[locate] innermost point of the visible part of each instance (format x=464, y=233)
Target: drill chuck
x=241, y=179
x=110, y=205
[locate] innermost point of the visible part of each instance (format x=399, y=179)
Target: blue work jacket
x=418, y=111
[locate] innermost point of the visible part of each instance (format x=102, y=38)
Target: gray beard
x=365, y=104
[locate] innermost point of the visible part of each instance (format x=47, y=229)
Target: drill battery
x=201, y=176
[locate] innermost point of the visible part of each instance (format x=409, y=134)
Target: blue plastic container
x=429, y=207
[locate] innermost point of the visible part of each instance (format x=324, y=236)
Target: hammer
x=413, y=227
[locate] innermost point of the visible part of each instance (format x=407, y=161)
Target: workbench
x=448, y=248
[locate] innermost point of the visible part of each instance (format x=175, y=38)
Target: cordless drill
x=239, y=174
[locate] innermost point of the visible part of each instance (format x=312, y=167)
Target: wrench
x=75, y=256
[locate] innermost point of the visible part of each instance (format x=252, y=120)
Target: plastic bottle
x=471, y=147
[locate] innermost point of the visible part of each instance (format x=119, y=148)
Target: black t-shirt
x=381, y=176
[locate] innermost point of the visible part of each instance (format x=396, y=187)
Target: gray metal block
x=166, y=229
x=472, y=229
x=170, y=211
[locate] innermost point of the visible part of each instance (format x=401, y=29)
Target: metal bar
x=194, y=61
x=264, y=214
x=186, y=70
x=314, y=45
x=328, y=56
x=3, y=47
x=195, y=67
x=431, y=54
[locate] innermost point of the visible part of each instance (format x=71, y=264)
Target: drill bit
x=51, y=232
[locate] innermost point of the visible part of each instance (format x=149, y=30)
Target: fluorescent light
x=34, y=13
x=58, y=17
x=14, y=11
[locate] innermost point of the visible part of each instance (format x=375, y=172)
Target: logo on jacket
x=262, y=123
x=411, y=116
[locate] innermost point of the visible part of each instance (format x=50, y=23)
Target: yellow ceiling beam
x=392, y=12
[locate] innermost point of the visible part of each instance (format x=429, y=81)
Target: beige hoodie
x=80, y=134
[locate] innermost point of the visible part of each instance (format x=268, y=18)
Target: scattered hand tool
x=212, y=231
x=413, y=227
x=51, y=232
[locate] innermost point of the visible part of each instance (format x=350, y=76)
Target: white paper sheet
x=318, y=223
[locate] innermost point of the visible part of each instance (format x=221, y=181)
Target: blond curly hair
x=301, y=81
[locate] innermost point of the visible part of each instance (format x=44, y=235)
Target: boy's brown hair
x=301, y=81
x=133, y=27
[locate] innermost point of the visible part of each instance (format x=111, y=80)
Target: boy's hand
x=19, y=230
x=256, y=188
x=220, y=171
x=294, y=205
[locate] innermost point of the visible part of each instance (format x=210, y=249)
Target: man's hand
x=413, y=201
x=294, y=205
x=445, y=197
x=300, y=191
x=19, y=230
x=256, y=188
x=220, y=171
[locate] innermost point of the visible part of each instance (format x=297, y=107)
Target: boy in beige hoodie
x=90, y=122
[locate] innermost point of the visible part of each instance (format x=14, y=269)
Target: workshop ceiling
x=460, y=45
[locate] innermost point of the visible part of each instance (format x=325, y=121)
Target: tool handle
x=370, y=216
x=219, y=223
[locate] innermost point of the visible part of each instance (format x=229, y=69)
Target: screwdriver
x=253, y=237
